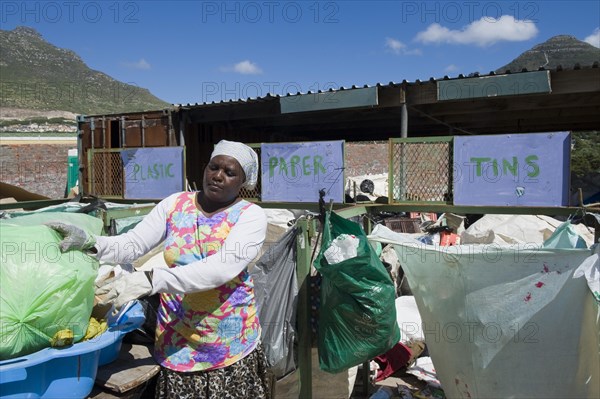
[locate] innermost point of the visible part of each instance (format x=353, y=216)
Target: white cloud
x=594, y=38
x=451, y=68
x=141, y=64
x=397, y=47
x=245, y=67
x=483, y=32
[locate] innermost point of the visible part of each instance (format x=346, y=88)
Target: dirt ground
x=398, y=378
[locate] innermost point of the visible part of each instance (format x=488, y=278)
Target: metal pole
x=91, y=174
x=303, y=319
x=403, y=134
x=182, y=120
x=80, y=121
x=123, y=132
x=92, y=128
x=171, y=133
x=404, y=121
x=143, y=131
x=103, y=132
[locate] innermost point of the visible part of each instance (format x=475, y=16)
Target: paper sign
x=295, y=172
x=152, y=173
x=512, y=169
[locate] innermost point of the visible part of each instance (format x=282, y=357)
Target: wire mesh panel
x=421, y=169
x=106, y=173
x=254, y=194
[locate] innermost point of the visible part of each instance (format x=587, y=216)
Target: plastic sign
x=152, y=173
x=512, y=169
x=296, y=172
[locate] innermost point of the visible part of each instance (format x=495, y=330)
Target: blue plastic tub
x=69, y=372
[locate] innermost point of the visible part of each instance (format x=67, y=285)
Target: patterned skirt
x=247, y=378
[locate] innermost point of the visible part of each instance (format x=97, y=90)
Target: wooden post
x=307, y=228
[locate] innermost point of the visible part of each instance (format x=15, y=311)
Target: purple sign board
x=152, y=172
x=296, y=172
x=512, y=169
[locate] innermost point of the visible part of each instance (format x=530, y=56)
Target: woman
x=208, y=333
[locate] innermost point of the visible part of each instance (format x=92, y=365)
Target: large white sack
x=409, y=319
x=516, y=229
x=504, y=322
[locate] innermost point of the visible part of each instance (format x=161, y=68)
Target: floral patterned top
x=209, y=329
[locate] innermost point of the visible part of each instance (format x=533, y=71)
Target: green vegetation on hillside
x=37, y=75
x=585, y=155
x=562, y=50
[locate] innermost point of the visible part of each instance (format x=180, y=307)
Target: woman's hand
x=124, y=288
x=73, y=237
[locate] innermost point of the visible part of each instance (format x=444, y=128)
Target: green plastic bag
x=357, y=317
x=43, y=291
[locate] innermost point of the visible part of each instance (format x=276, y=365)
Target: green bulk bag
x=43, y=291
x=357, y=316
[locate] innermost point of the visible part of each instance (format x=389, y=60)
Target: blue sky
x=197, y=51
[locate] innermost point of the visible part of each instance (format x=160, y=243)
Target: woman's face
x=223, y=179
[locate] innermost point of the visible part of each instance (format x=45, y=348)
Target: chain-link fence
x=421, y=169
x=107, y=180
x=254, y=195
x=105, y=173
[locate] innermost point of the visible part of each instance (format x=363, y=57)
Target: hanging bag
x=276, y=290
x=357, y=317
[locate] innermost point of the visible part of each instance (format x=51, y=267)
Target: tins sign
x=512, y=169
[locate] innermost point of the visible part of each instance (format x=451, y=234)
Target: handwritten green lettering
x=306, y=165
x=272, y=165
x=294, y=161
x=318, y=165
x=283, y=166
x=535, y=168
x=478, y=162
x=508, y=167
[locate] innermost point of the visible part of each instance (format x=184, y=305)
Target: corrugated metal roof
x=271, y=97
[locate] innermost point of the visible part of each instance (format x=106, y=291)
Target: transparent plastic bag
x=43, y=291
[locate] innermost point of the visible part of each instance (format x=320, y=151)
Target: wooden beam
x=232, y=111
x=528, y=103
x=575, y=81
x=580, y=113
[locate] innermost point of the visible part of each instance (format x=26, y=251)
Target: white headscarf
x=246, y=157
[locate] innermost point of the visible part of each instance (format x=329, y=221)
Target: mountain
x=562, y=50
x=37, y=75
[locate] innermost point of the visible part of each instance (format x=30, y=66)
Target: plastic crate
x=66, y=372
